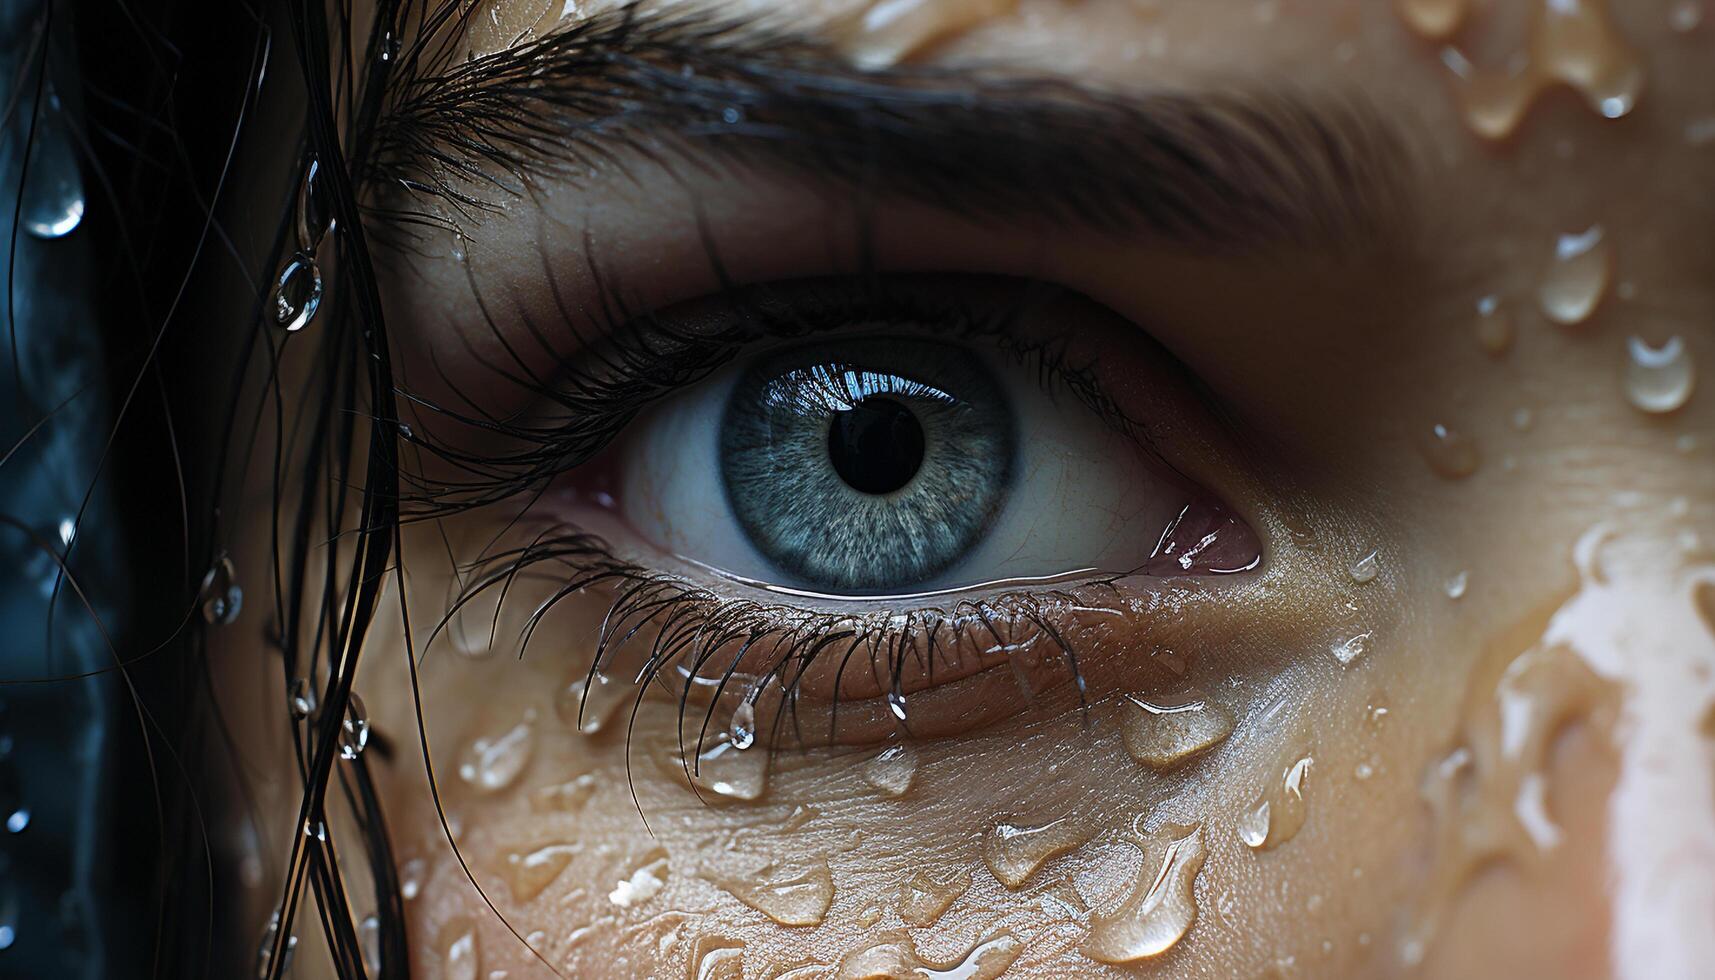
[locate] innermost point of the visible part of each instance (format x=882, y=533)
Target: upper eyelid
x=1219, y=169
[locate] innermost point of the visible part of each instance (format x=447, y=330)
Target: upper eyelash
x=692, y=624
x=644, y=358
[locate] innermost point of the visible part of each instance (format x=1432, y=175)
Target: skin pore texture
x=1487, y=750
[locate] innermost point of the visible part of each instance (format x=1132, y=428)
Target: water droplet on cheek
x=1163, y=732
x=1457, y=584
x=1494, y=326
x=1366, y=568
x=1161, y=906
x=492, y=764
x=1279, y=811
x=1014, y=852
x=1659, y=379
x=532, y=871
x=1450, y=453
x=461, y=959
x=1348, y=649
x=590, y=703
x=1577, y=277
x=792, y=895
x=925, y=897
x=895, y=956
x=1685, y=15
x=643, y=884
x=893, y=771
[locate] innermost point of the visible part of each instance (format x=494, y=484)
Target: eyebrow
x=1218, y=169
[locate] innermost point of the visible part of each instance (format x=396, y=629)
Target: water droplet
x=492, y=764
x=567, y=797
x=297, y=292
x=720, y=768
x=303, y=700
x=589, y=704
x=889, y=31
x=1162, y=732
x=893, y=771
x=1014, y=852
x=1659, y=379
x=1279, y=811
x=896, y=704
x=1435, y=20
x=411, y=878
x=314, y=213
x=461, y=958
x=1494, y=326
x=1685, y=15
x=1350, y=648
x=220, y=596
x=354, y=730
x=1578, y=277
x=369, y=941
x=265, y=952
x=1161, y=906
x=1365, y=568
x=532, y=871
x=742, y=731
x=643, y=883
x=1523, y=419
x=792, y=895
x=1450, y=453
x=1457, y=584
x=894, y=955
x=718, y=958
x=53, y=201
x=18, y=820
x=925, y=897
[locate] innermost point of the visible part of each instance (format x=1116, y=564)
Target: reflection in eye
x=872, y=464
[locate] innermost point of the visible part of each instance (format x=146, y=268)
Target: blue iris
x=866, y=465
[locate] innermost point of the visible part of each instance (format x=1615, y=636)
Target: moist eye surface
x=871, y=463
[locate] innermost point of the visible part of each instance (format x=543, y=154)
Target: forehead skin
x=1344, y=377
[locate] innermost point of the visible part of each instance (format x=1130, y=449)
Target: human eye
x=931, y=475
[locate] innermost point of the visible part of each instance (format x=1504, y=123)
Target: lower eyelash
x=687, y=627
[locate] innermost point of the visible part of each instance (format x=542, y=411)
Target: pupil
x=877, y=446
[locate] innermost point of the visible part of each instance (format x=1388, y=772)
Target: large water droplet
x=1162, y=732
x=1659, y=379
x=590, y=703
x=720, y=768
x=792, y=895
x=297, y=292
x=533, y=870
x=1449, y=452
x=492, y=764
x=924, y=897
x=1161, y=906
x=265, y=951
x=354, y=730
x=1014, y=852
x=1578, y=277
x=1279, y=811
x=53, y=199
x=718, y=958
x=894, y=955
x=892, y=771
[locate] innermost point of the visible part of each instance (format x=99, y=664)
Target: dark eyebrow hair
x=1217, y=169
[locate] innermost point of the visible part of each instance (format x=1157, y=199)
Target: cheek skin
x=1340, y=896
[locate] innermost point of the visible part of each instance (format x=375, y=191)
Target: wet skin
x=1331, y=364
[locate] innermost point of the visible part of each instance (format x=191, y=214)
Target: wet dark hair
x=144, y=339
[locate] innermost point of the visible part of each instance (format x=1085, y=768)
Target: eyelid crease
x=1221, y=169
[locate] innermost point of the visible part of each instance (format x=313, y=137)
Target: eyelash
x=649, y=358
